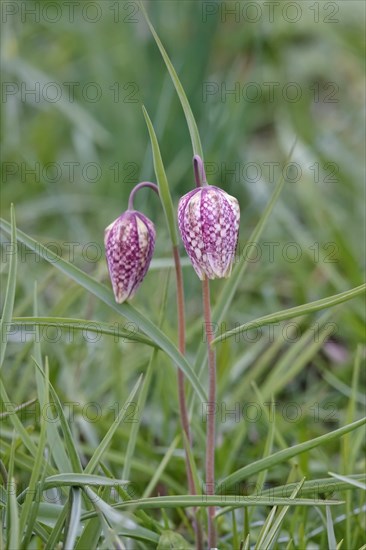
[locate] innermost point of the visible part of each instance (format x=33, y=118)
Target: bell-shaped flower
x=129, y=244
x=208, y=220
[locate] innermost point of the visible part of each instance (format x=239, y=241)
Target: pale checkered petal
x=129, y=243
x=208, y=220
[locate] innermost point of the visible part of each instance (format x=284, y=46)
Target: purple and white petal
x=208, y=220
x=129, y=243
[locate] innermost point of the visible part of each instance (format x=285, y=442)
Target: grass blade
x=94, y=461
x=109, y=511
x=297, y=311
x=83, y=325
x=38, y=460
x=349, y=480
x=69, y=442
x=54, y=440
x=154, y=480
x=10, y=288
x=192, y=126
x=279, y=519
x=237, y=501
x=73, y=524
x=332, y=543
x=12, y=518
x=106, y=295
x=79, y=480
x=315, y=489
x=135, y=426
x=18, y=426
x=164, y=191
x=265, y=529
x=285, y=454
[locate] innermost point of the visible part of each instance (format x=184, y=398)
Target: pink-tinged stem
x=181, y=346
x=201, y=181
x=210, y=436
x=181, y=391
x=199, y=171
x=140, y=186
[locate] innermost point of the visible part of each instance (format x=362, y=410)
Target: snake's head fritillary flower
x=129, y=244
x=208, y=220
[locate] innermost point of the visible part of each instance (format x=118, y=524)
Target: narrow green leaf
x=197, y=482
x=106, y=295
x=75, y=480
x=18, y=408
x=268, y=447
x=192, y=126
x=90, y=535
x=54, y=439
x=10, y=289
x=332, y=543
x=297, y=311
x=69, y=442
x=297, y=356
x=172, y=540
x=33, y=524
x=107, y=510
x=73, y=524
x=18, y=426
x=265, y=528
x=285, y=454
x=12, y=517
x=148, y=521
x=38, y=459
x=315, y=488
x=349, y=480
x=237, y=501
x=279, y=519
x=85, y=326
x=246, y=544
x=159, y=470
x=164, y=191
x=99, y=451
x=135, y=426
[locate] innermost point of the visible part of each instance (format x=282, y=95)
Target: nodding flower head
x=208, y=220
x=129, y=243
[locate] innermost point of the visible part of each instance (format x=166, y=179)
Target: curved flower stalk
x=129, y=244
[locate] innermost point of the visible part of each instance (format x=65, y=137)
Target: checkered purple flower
x=129, y=243
x=208, y=220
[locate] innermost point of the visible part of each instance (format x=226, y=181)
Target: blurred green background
x=75, y=141
x=297, y=71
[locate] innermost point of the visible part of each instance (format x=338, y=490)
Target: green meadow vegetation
x=96, y=97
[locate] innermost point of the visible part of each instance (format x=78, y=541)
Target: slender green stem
x=211, y=409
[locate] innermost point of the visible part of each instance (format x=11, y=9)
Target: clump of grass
x=91, y=442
